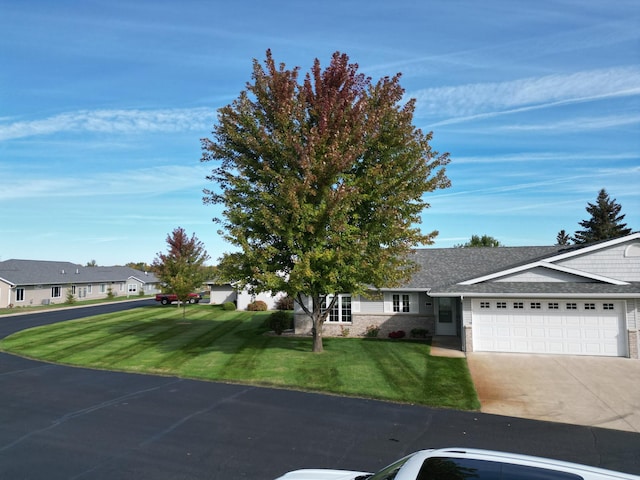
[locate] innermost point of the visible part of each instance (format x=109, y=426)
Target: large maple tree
x=322, y=183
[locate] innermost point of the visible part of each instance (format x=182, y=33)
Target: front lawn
x=217, y=345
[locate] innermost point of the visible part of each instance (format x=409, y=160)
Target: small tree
x=322, y=183
x=70, y=298
x=478, y=241
x=181, y=269
x=605, y=222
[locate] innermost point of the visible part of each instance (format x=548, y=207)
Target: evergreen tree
x=563, y=238
x=605, y=222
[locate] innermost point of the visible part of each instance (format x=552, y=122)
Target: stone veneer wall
x=634, y=346
x=358, y=327
x=467, y=345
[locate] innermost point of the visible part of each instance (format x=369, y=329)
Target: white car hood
x=322, y=474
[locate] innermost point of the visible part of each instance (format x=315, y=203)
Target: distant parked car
x=167, y=298
x=471, y=464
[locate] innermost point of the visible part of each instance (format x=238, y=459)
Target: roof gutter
x=534, y=295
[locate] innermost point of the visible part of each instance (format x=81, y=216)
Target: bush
x=419, y=333
x=398, y=334
x=372, y=331
x=257, y=306
x=284, y=303
x=228, y=306
x=280, y=321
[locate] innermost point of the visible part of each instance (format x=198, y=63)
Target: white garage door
x=553, y=326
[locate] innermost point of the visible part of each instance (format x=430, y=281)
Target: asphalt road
x=61, y=422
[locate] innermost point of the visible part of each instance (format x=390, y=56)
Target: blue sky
x=103, y=105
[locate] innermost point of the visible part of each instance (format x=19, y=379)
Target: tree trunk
x=317, y=335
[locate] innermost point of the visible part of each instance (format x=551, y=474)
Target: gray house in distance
x=35, y=282
x=574, y=300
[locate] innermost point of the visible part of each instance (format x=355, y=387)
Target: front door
x=446, y=324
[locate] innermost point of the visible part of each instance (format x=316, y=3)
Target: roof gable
x=510, y=274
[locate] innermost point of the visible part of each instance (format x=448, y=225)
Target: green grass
x=217, y=345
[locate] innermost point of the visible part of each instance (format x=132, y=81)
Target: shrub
x=70, y=298
x=372, y=331
x=257, y=306
x=280, y=321
x=398, y=334
x=228, y=306
x=284, y=303
x=419, y=333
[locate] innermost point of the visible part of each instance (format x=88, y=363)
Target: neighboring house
x=226, y=292
x=34, y=282
x=576, y=299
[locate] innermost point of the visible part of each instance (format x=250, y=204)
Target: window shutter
x=355, y=304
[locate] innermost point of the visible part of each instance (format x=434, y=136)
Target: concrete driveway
x=580, y=390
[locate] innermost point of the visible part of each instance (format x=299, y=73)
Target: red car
x=167, y=298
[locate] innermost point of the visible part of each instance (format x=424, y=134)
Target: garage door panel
x=566, y=327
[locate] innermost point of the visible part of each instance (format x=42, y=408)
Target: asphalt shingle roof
x=36, y=272
x=441, y=267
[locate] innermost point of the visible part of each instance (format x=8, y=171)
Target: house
x=227, y=292
x=34, y=282
x=576, y=299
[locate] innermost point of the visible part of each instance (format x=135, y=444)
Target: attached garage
x=553, y=326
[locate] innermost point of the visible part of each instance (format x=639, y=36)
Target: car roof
x=586, y=471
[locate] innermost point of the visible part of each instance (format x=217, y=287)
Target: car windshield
x=389, y=472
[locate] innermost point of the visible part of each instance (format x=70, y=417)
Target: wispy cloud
x=580, y=179
x=484, y=100
x=156, y=181
x=576, y=124
x=110, y=121
x=529, y=157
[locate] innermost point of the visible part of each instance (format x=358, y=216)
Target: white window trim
x=413, y=303
x=338, y=306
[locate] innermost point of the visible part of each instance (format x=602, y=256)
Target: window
x=607, y=306
x=571, y=306
x=341, y=311
x=535, y=305
x=103, y=288
x=55, y=292
x=518, y=305
x=401, y=303
x=471, y=468
x=501, y=304
x=19, y=294
x=553, y=306
x=73, y=289
x=589, y=306
x=133, y=288
x=89, y=288
x=345, y=309
x=121, y=286
x=485, y=304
